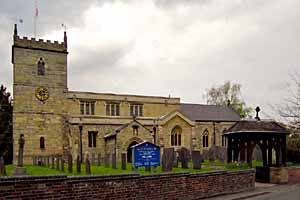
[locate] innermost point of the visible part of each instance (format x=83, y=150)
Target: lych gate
x=268, y=135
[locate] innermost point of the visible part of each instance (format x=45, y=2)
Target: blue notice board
x=146, y=154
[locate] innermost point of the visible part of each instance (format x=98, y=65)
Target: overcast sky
x=162, y=47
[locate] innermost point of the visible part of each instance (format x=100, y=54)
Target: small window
x=42, y=143
x=205, y=138
x=92, y=138
x=136, y=110
x=41, y=67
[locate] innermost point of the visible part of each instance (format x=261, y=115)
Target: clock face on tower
x=42, y=94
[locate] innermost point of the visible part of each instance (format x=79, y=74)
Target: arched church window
x=41, y=67
x=205, y=136
x=176, y=136
x=42, y=143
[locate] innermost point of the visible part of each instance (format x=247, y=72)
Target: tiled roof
x=200, y=112
x=257, y=126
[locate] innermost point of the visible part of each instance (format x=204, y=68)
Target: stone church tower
x=39, y=87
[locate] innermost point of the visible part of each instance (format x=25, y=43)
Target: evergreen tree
x=6, y=141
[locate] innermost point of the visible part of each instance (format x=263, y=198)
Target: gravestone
x=99, y=159
x=113, y=161
x=93, y=159
x=57, y=162
x=44, y=161
x=106, y=160
x=185, y=156
x=167, y=159
x=196, y=158
x=78, y=165
x=20, y=170
x=62, y=162
x=70, y=163
x=87, y=165
x=48, y=161
x=39, y=161
x=52, y=162
x=123, y=159
x=33, y=160
x=176, y=159
x=2, y=167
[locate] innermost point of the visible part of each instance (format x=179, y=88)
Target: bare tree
x=290, y=110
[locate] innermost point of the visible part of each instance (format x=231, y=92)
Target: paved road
x=289, y=193
x=266, y=192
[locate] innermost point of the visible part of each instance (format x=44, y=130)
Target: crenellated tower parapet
x=39, y=44
x=33, y=43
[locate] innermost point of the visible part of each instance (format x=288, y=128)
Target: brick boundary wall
x=294, y=174
x=128, y=186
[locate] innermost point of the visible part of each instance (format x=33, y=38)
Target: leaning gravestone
x=124, y=155
x=78, y=165
x=114, y=161
x=167, y=159
x=2, y=167
x=185, y=157
x=20, y=169
x=196, y=158
x=87, y=165
x=70, y=163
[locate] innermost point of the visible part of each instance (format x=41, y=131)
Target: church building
x=55, y=120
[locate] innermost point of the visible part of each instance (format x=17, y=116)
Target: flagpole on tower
x=35, y=17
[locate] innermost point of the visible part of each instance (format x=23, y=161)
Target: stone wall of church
x=152, y=106
x=34, y=126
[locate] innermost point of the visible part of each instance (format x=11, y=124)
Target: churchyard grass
x=96, y=170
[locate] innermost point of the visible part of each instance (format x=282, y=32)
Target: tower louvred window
x=41, y=67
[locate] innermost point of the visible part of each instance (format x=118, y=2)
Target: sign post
x=145, y=154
